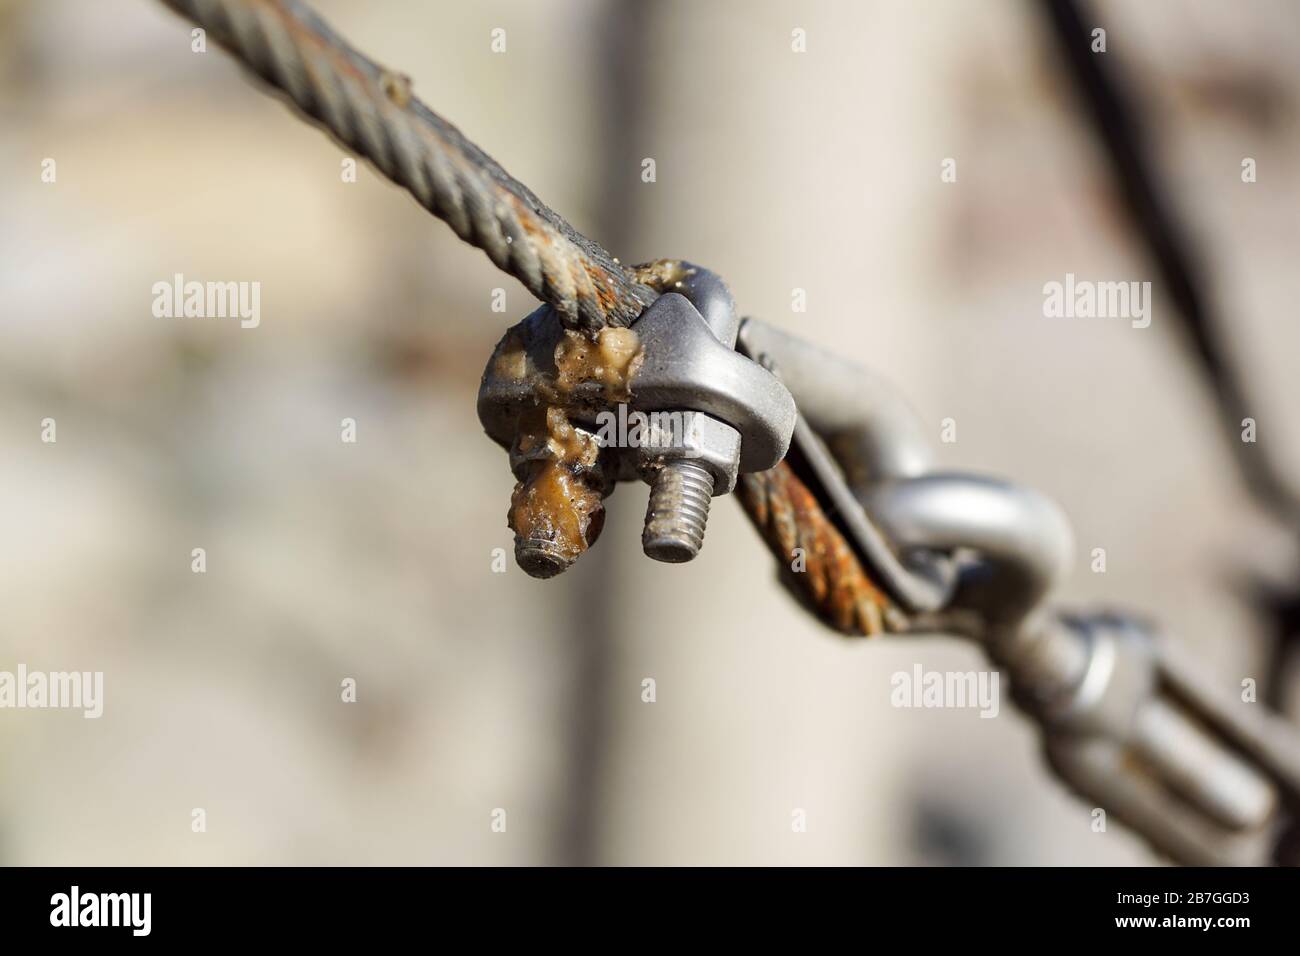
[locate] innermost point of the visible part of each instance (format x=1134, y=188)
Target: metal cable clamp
x=668, y=401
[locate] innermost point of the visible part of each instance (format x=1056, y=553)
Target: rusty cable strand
x=831, y=582
x=370, y=110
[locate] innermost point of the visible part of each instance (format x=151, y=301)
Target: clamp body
x=700, y=415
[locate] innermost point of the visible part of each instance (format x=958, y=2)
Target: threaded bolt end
x=540, y=558
x=677, y=512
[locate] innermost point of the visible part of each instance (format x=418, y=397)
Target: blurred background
x=373, y=561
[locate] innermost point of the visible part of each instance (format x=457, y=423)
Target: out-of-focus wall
x=329, y=560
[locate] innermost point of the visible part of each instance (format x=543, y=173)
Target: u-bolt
x=677, y=511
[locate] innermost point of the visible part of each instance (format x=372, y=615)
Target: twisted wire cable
x=830, y=581
x=371, y=111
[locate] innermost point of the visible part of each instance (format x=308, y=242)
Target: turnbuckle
x=668, y=401
x=1208, y=780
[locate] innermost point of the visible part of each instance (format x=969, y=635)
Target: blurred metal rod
x=372, y=111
